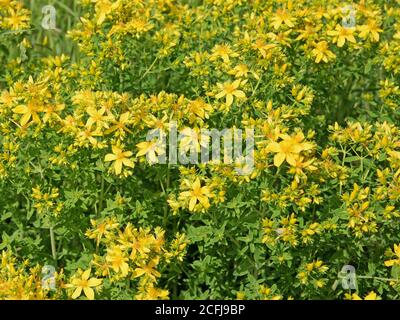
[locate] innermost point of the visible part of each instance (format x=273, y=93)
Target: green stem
x=165, y=207
x=256, y=87
x=344, y=157
x=53, y=245
x=378, y=278
x=149, y=68
x=101, y=194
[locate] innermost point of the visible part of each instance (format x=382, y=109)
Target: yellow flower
x=117, y=259
x=101, y=229
x=240, y=295
x=308, y=32
x=17, y=19
x=148, y=269
x=283, y=38
x=151, y=149
x=120, y=125
x=85, y=284
x=149, y=292
x=198, y=108
x=70, y=123
x=97, y=117
x=103, y=7
x=282, y=17
x=240, y=71
x=193, y=139
x=263, y=48
x=88, y=134
x=322, y=52
x=51, y=111
x=370, y=296
x=297, y=169
x=371, y=30
x=396, y=252
x=84, y=98
x=120, y=158
x=341, y=35
x=139, y=247
x=224, y=52
x=197, y=194
x=229, y=90
x=28, y=111
x=288, y=148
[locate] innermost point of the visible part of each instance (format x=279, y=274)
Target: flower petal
x=110, y=157
x=93, y=282
x=86, y=274
x=278, y=159
x=77, y=293
x=89, y=293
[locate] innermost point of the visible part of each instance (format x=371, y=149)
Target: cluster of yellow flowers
x=20, y=281
x=361, y=218
x=311, y=272
x=264, y=293
x=45, y=202
x=13, y=15
x=130, y=253
x=321, y=94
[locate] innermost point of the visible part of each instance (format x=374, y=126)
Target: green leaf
x=395, y=272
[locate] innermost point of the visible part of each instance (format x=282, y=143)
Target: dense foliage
x=78, y=194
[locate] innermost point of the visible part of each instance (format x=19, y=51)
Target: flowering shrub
x=84, y=190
